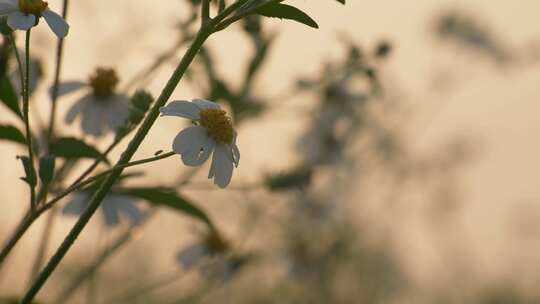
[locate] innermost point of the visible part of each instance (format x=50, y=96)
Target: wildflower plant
x=52, y=153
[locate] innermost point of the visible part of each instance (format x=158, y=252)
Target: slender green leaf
x=8, y=96
x=284, y=11
x=11, y=133
x=70, y=147
x=169, y=198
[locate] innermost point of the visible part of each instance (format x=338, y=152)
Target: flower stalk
x=26, y=116
x=205, y=31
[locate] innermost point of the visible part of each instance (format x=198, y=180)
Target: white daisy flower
x=100, y=110
x=113, y=206
x=25, y=14
x=213, y=132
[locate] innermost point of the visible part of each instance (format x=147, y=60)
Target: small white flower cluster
x=25, y=14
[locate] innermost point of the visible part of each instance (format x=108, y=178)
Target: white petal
x=194, y=145
x=77, y=204
x=117, y=111
x=205, y=104
x=195, y=157
x=110, y=212
x=222, y=166
x=20, y=21
x=126, y=205
x=67, y=87
x=12, y=2
x=7, y=8
x=77, y=108
x=57, y=24
x=189, y=256
x=181, y=108
x=187, y=138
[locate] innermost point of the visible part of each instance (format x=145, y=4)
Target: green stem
x=26, y=111
x=206, y=30
x=205, y=11
x=99, y=195
x=56, y=85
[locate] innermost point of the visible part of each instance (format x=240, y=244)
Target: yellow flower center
x=218, y=125
x=34, y=7
x=103, y=82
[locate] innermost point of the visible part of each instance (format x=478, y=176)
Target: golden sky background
x=497, y=107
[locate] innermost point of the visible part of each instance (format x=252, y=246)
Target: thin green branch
x=26, y=115
x=101, y=175
x=205, y=11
